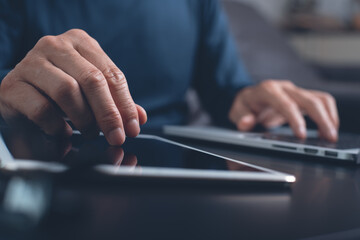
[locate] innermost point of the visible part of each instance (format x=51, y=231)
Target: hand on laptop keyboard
x=273, y=103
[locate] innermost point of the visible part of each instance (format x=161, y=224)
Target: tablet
x=144, y=156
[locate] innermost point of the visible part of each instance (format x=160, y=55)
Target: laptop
x=146, y=157
x=280, y=139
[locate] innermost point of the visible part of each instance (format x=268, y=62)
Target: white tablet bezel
x=9, y=163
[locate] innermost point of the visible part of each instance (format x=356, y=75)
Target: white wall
x=274, y=10
x=339, y=8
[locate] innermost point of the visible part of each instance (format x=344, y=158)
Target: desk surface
x=325, y=200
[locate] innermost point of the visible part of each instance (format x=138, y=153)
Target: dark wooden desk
x=324, y=201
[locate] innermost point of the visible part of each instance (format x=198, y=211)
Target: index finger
x=330, y=105
x=96, y=91
x=291, y=112
x=115, y=78
x=317, y=111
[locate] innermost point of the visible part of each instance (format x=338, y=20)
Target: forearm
x=220, y=73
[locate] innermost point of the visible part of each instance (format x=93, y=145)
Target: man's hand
x=272, y=103
x=71, y=72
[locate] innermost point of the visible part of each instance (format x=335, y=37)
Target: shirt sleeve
x=220, y=74
x=11, y=31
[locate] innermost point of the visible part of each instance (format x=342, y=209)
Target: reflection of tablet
x=144, y=156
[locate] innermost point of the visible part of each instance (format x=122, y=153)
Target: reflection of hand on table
x=119, y=158
x=20, y=142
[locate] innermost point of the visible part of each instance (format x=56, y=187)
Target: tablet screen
x=135, y=152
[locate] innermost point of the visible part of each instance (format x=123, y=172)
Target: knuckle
x=269, y=84
x=307, y=99
x=110, y=118
x=81, y=36
x=328, y=97
x=66, y=90
x=121, y=88
x=48, y=41
x=76, y=32
x=288, y=83
x=34, y=64
x=41, y=63
x=114, y=75
x=316, y=103
x=52, y=45
x=128, y=110
x=92, y=42
x=92, y=79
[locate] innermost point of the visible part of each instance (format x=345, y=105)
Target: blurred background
x=314, y=43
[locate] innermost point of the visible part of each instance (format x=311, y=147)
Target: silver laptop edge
x=237, y=138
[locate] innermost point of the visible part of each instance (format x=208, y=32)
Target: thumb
x=246, y=122
x=242, y=116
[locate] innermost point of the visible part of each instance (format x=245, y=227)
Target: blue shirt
x=163, y=47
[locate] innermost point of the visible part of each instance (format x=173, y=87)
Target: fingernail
x=247, y=119
x=68, y=131
x=132, y=128
x=302, y=131
x=333, y=134
x=116, y=137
